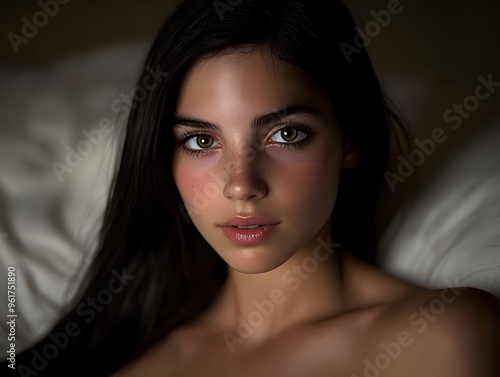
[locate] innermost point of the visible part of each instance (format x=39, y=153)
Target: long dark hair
x=153, y=271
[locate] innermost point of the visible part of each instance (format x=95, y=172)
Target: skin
x=291, y=306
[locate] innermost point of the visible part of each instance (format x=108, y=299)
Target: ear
x=352, y=153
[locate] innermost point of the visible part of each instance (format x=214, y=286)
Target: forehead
x=245, y=82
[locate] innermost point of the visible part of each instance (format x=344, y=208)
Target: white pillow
x=47, y=224
x=449, y=234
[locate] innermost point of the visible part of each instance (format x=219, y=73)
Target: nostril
x=244, y=184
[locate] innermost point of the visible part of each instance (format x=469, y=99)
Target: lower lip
x=246, y=236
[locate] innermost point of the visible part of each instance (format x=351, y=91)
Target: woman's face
x=258, y=158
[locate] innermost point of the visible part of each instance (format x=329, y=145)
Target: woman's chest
x=313, y=351
x=301, y=353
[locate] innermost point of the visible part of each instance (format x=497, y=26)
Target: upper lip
x=249, y=220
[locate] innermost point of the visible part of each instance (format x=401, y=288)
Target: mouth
x=248, y=235
x=248, y=230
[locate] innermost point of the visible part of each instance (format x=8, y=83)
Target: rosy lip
x=248, y=236
x=261, y=228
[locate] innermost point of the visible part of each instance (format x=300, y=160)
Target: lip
x=265, y=226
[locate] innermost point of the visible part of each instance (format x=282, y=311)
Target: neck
x=307, y=287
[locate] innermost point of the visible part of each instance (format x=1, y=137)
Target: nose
x=245, y=181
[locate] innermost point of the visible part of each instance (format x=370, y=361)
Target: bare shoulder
x=443, y=332
x=415, y=331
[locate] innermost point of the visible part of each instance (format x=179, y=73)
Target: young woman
x=238, y=238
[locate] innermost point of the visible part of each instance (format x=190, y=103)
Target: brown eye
x=200, y=142
x=204, y=141
x=289, y=134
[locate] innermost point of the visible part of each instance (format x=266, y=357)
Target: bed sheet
x=56, y=163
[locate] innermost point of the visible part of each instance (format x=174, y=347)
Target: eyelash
x=185, y=137
x=307, y=130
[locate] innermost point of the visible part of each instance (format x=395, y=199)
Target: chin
x=253, y=261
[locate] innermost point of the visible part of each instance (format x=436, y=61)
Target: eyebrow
x=257, y=122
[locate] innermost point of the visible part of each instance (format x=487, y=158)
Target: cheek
x=311, y=184
x=196, y=181
x=186, y=182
